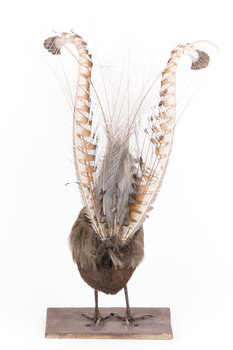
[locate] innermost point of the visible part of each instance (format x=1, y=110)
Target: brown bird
x=121, y=151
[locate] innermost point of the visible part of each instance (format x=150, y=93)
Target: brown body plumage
x=105, y=265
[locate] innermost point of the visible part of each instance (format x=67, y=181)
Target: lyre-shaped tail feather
x=84, y=144
x=118, y=190
x=161, y=136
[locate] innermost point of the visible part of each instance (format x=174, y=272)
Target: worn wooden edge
x=162, y=336
x=92, y=333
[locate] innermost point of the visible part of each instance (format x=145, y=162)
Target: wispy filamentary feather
x=122, y=141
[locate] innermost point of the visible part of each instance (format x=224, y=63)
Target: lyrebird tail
x=121, y=162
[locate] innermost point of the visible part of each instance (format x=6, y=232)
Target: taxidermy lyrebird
x=121, y=152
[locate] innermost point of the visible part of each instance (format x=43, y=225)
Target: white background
x=188, y=263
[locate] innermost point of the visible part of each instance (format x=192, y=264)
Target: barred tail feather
x=120, y=167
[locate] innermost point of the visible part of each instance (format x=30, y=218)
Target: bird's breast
x=106, y=280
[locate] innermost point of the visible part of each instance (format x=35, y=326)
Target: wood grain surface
x=69, y=323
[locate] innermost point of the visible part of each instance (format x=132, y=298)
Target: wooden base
x=69, y=323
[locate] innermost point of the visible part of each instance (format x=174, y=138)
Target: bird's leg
x=97, y=318
x=128, y=314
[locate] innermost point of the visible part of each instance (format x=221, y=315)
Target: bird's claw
x=129, y=318
x=97, y=318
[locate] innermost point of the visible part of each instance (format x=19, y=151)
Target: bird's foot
x=97, y=318
x=128, y=318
